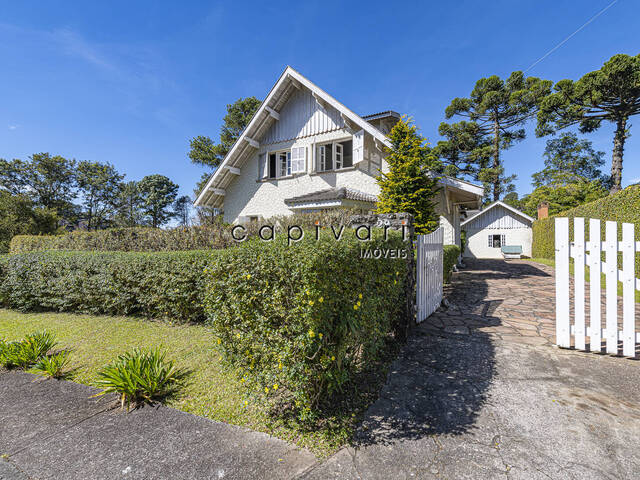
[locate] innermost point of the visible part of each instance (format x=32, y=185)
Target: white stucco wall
x=478, y=241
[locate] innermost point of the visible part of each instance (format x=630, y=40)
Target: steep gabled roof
x=495, y=204
x=213, y=193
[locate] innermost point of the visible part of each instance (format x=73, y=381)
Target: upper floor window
x=334, y=155
x=287, y=162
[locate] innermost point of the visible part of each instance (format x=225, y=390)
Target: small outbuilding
x=497, y=231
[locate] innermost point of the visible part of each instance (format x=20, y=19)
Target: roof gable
x=494, y=205
x=269, y=112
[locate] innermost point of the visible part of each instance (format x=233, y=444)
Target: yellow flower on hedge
x=312, y=333
x=248, y=276
x=242, y=380
x=321, y=299
x=311, y=302
x=320, y=335
x=219, y=341
x=275, y=386
x=333, y=358
x=395, y=282
x=280, y=365
x=266, y=389
x=359, y=303
x=360, y=296
x=307, y=291
x=246, y=403
x=355, y=307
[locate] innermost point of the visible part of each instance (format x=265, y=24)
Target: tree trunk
x=618, y=150
x=496, y=161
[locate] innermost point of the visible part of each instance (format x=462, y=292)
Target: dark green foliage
x=495, y=110
x=27, y=352
x=206, y=153
x=139, y=239
x=610, y=94
x=141, y=376
x=562, y=197
x=158, y=194
x=450, y=259
x=154, y=285
x=299, y=322
x=99, y=186
x=622, y=207
x=409, y=185
x=19, y=216
x=54, y=366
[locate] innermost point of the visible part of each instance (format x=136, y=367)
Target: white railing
x=565, y=249
x=429, y=273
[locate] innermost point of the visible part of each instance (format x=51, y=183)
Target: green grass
x=551, y=263
x=212, y=390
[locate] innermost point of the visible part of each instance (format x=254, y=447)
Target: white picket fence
x=429, y=273
x=590, y=254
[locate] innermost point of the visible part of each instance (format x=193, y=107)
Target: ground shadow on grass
x=439, y=383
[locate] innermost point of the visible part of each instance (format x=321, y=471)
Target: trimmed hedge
x=450, y=258
x=154, y=285
x=137, y=239
x=622, y=207
x=300, y=321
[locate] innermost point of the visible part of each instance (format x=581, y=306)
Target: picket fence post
x=563, y=330
x=611, y=285
x=628, y=291
x=578, y=262
x=595, y=295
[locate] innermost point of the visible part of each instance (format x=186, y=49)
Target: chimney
x=543, y=210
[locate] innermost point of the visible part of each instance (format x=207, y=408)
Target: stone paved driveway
x=512, y=300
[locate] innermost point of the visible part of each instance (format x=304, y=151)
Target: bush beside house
x=449, y=260
x=300, y=321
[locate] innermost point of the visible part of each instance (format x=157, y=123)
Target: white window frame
x=338, y=155
x=298, y=159
x=283, y=163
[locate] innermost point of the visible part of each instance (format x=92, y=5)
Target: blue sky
x=131, y=82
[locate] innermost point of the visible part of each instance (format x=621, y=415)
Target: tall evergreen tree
x=130, y=205
x=158, y=194
x=182, y=210
x=495, y=110
x=410, y=185
x=203, y=151
x=99, y=185
x=610, y=94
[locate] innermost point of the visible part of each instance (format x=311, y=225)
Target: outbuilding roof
x=493, y=205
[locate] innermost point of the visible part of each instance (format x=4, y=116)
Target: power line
x=570, y=36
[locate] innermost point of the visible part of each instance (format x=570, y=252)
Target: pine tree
x=410, y=185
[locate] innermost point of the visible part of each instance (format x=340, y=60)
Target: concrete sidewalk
x=52, y=430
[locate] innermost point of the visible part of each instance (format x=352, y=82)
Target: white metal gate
x=429, y=276
x=612, y=332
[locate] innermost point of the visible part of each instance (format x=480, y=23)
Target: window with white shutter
x=338, y=154
x=358, y=147
x=490, y=241
x=298, y=159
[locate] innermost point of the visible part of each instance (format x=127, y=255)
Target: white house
x=497, y=225
x=303, y=151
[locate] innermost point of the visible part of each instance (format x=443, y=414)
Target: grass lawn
x=212, y=392
x=551, y=263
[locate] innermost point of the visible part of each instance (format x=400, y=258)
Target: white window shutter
x=358, y=147
x=263, y=166
x=490, y=241
x=502, y=240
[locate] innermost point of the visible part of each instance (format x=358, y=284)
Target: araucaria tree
x=410, y=184
x=611, y=93
x=496, y=111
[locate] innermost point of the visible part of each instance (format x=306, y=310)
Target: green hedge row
x=622, y=207
x=137, y=239
x=154, y=285
x=451, y=254
x=299, y=321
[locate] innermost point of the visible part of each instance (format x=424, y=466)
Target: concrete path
x=52, y=430
x=477, y=393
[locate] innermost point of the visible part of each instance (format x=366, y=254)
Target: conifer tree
x=410, y=185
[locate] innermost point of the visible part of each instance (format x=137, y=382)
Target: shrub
x=299, y=321
x=27, y=352
x=4, y=261
x=154, y=285
x=54, y=365
x=141, y=376
x=450, y=259
x=621, y=207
